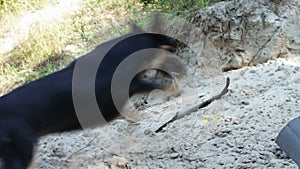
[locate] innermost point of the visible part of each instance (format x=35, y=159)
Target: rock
x=118, y=162
x=72, y=49
x=245, y=102
x=98, y=166
x=247, y=33
x=174, y=155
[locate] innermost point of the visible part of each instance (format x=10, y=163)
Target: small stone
x=174, y=155
x=245, y=103
x=118, y=162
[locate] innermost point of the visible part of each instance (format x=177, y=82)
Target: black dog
x=46, y=105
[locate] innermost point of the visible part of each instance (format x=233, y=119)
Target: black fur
x=46, y=106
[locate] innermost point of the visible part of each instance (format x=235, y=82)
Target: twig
x=197, y=107
x=82, y=148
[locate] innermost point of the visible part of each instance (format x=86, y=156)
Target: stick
x=197, y=107
x=87, y=145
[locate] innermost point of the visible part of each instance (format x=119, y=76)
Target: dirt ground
x=237, y=131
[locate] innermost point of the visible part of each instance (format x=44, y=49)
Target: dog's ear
x=135, y=28
x=157, y=26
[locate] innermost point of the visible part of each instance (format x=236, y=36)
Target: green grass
x=174, y=7
x=43, y=52
x=12, y=7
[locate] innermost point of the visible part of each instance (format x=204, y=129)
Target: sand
x=237, y=131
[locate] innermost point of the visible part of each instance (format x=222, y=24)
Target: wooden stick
x=197, y=107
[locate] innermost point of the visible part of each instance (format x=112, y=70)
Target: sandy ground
x=238, y=131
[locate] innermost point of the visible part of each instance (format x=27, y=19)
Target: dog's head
x=163, y=60
x=129, y=58
x=156, y=33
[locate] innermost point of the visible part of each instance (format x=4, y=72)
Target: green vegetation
x=175, y=7
x=8, y=7
x=43, y=50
